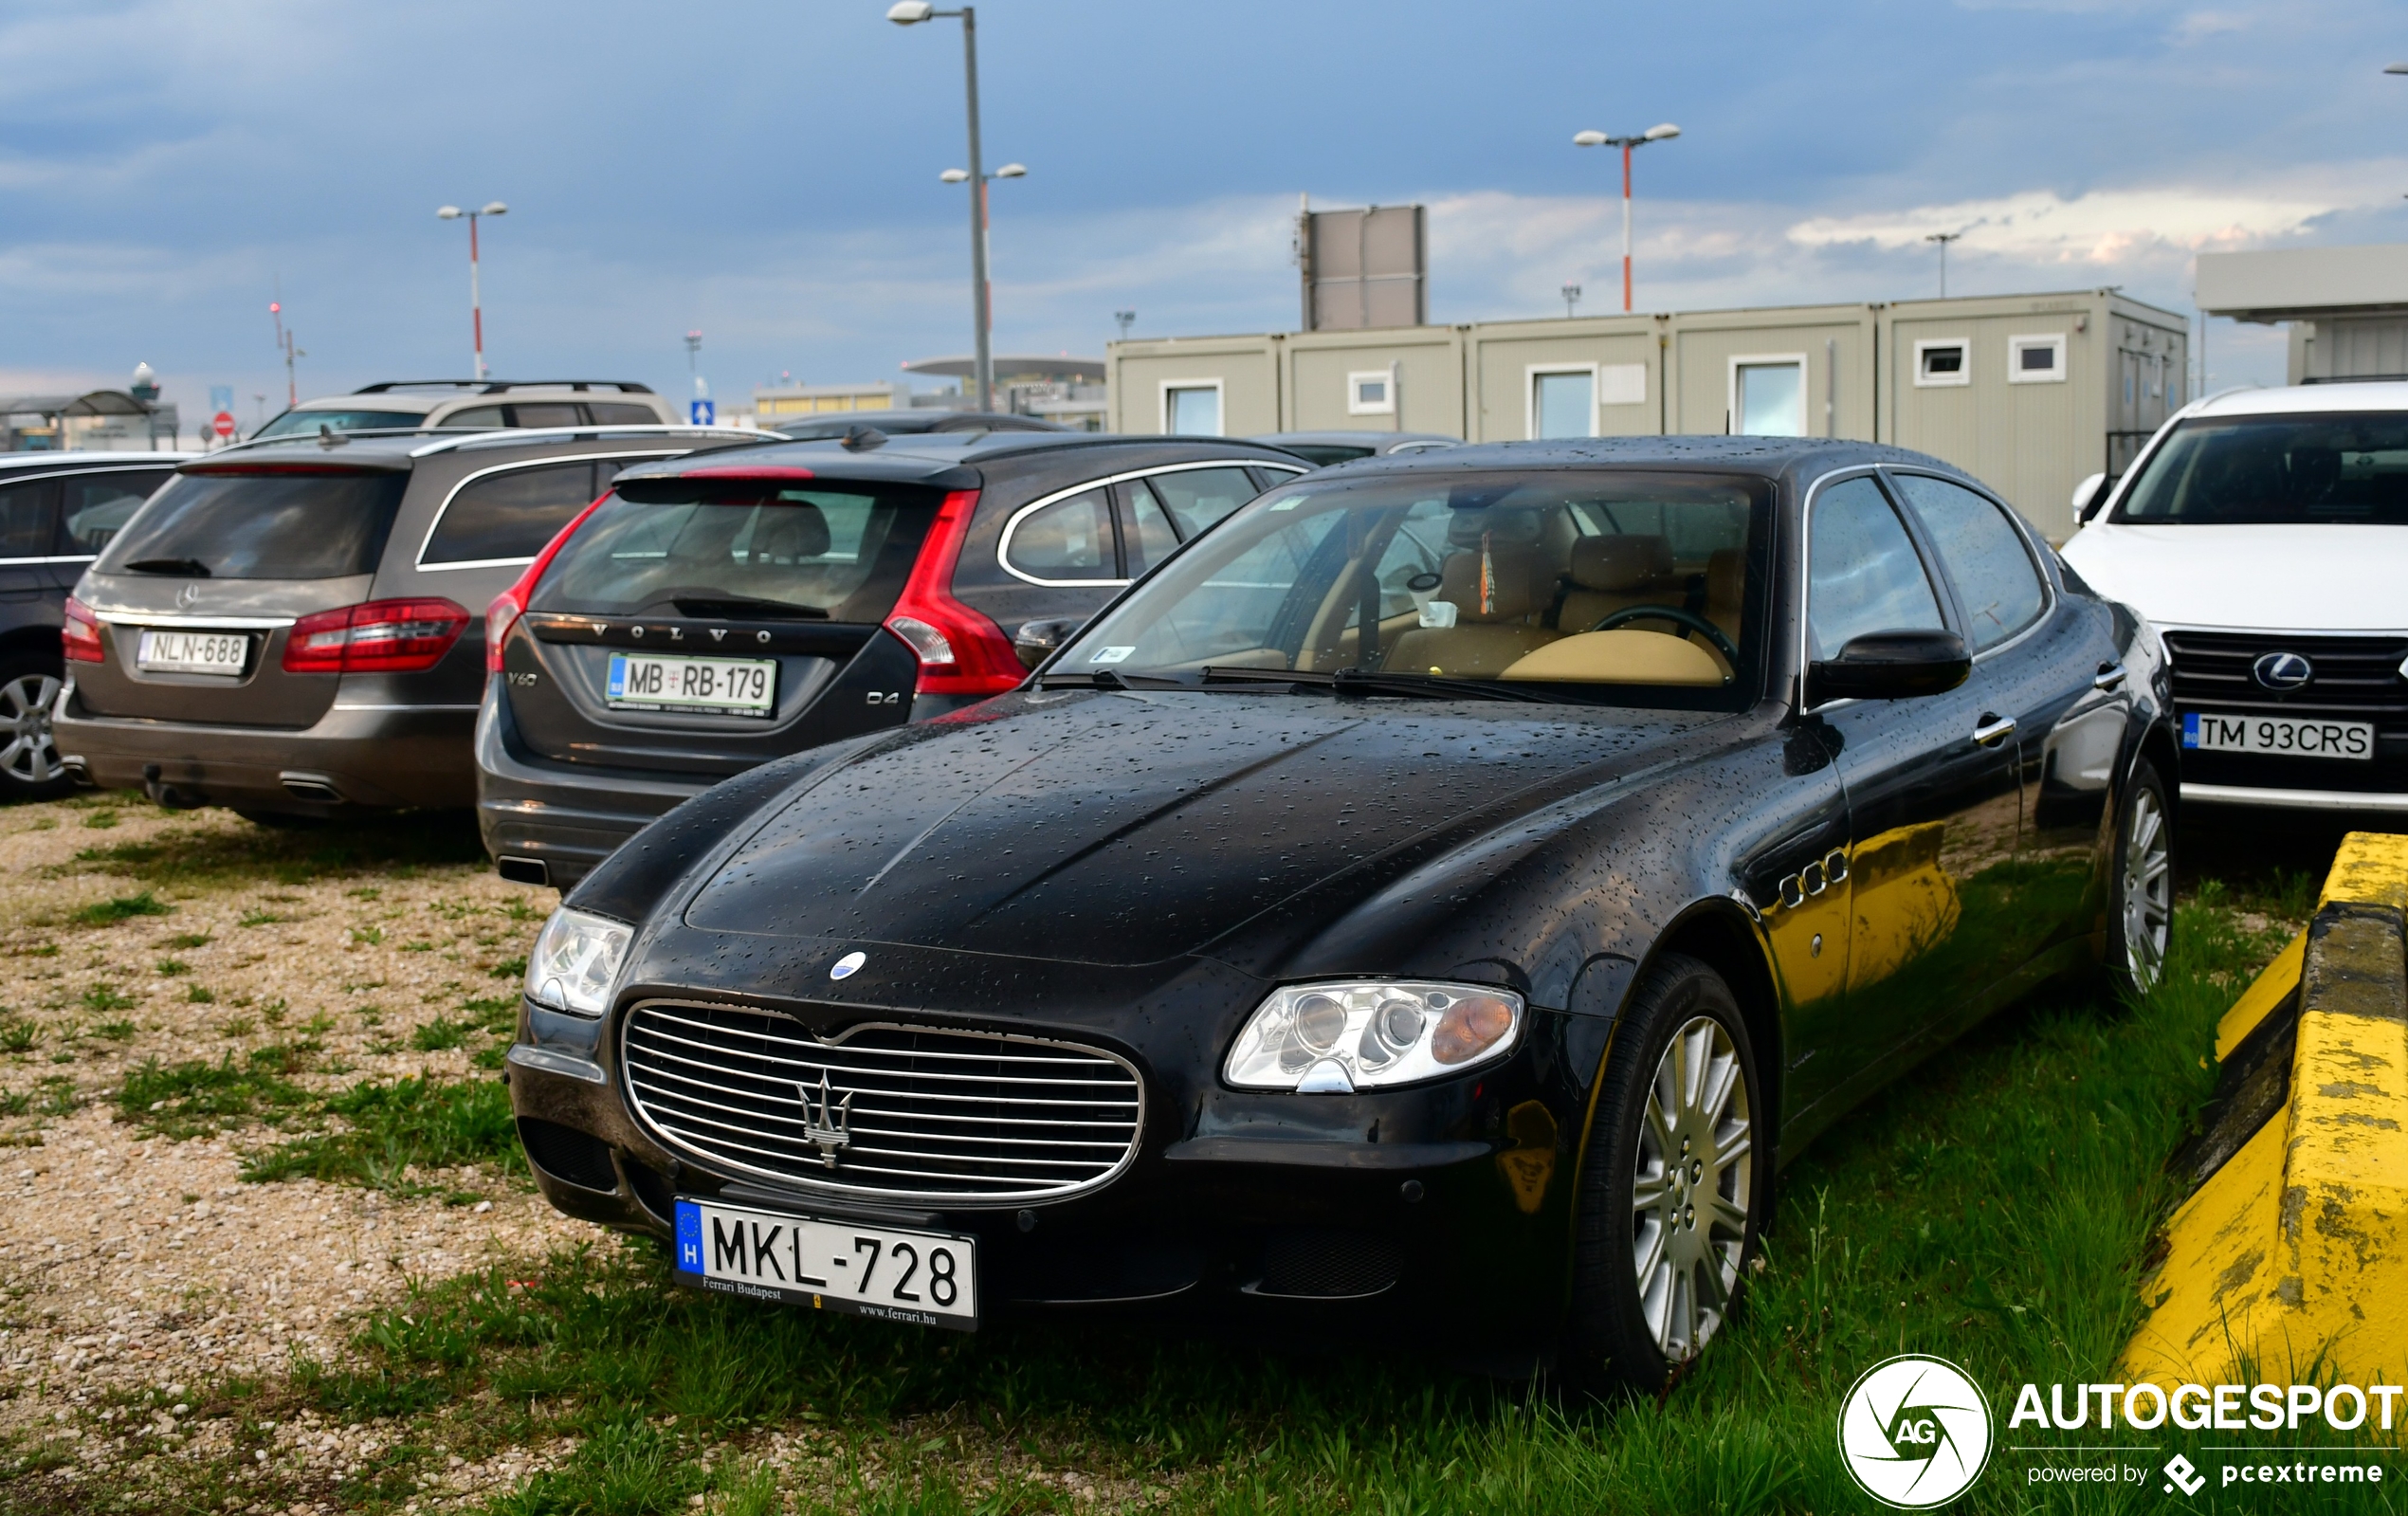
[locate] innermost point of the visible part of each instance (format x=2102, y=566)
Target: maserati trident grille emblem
x=828, y=1123
x=2282, y=671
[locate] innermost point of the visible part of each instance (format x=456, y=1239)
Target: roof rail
x=509, y=436
x=506, y=386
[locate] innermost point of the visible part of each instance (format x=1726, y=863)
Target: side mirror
x=1890, y=665
x=1037, y=641
x=2087, y=496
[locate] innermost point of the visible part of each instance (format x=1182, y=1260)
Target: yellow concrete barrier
x=2295, y=1246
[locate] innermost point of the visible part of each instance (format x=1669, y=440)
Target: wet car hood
x=1128, y=828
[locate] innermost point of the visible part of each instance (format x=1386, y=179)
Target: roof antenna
x=863, y=439
x=328, y=437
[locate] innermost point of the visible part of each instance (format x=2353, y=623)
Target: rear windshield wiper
x=745, y=605
x=191, y=566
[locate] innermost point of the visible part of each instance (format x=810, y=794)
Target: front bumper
x=381, y=756
x=1292, y=1208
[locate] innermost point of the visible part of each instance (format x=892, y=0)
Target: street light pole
x=911, y=14
x=1944, y=238
x=1662, y=133
x=475, y=301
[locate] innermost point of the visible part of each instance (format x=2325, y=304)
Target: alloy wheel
x=1690, y=1195
x=30, y=754
x=2148, y=888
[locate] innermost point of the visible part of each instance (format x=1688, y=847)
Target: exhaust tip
x=523, y=870
x=310, y=786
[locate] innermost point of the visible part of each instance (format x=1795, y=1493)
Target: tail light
x=381, y=637
x=512, y=603
x=80, y=639
x=962, y=651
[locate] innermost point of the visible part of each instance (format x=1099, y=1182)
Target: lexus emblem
x=190, y=592
x=2282, y=670
x=828, y=1124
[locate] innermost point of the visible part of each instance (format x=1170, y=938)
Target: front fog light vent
x=1336, y=1038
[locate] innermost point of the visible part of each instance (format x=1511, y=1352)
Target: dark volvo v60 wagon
x=1444, y=893
x=719, y=612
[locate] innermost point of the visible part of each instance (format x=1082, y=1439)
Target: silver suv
x=294, y=627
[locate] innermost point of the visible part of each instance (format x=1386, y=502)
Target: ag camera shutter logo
x=1915, y=1432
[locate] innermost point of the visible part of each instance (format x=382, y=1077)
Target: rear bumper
x=377, y=756
x=2339, y=800
x=532, y=811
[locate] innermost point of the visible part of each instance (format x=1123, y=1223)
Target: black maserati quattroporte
x=1443, y=894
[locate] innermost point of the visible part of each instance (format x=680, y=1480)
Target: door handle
x=2111, y=676
x=1992, y=729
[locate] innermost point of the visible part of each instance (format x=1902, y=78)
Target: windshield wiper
x=1109, y=679
x=739, y=605
x=1371, y=682
x=191, y=566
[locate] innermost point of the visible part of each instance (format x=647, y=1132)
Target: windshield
x=742, y=549
x=305, y=423
x=1619, y=587
x=2276, y=471
x=259, y=526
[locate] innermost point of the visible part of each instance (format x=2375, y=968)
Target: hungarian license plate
x=192, y=652
x=923, y=1277
x=726, y=687
x=2285, y=736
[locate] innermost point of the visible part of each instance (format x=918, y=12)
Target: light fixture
x=954, y=175
x=909, y=12
x=1012, y=170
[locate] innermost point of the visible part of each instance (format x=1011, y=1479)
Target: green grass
x=105, y=997
x=442, y=1032
x=17, y=1035
x=389, y=1128
x=1995, y=1208
x=198, y=1098
x=227, y=856
x=123, y=907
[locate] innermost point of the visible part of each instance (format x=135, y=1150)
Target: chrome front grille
x=2357, y=677
x=893, y=1111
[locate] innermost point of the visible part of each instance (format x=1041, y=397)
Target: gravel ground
x=134, y=1262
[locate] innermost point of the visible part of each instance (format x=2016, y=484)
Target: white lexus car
x=2265, y=532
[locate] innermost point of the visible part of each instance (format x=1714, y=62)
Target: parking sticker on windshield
x=1111, y=655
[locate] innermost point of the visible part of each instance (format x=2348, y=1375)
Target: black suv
x=57, y=509
x=713, y=614
x=286, y=627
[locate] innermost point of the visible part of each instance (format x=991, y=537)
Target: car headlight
x=575, y=961
x=1334, y=1038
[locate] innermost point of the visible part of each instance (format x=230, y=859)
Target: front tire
x=1675, y=1183
x=29, y=767
x=2142, y=919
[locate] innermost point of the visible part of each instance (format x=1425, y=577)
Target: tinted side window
x=548, y=413
x=1199, y=497
x=1864, y=572
x=509, y=515
x=620, y=414
x=25, y=518
x=1982, y=552
x=1146, y=529
x=1071, y=538
x=475, y=416
x=95, y=506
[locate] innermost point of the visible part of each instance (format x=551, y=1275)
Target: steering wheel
x=1666, y=612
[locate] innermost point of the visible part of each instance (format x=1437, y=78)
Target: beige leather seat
x=1612, y=573
x=1491, y=635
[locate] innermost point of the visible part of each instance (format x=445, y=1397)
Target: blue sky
x=767, y=172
